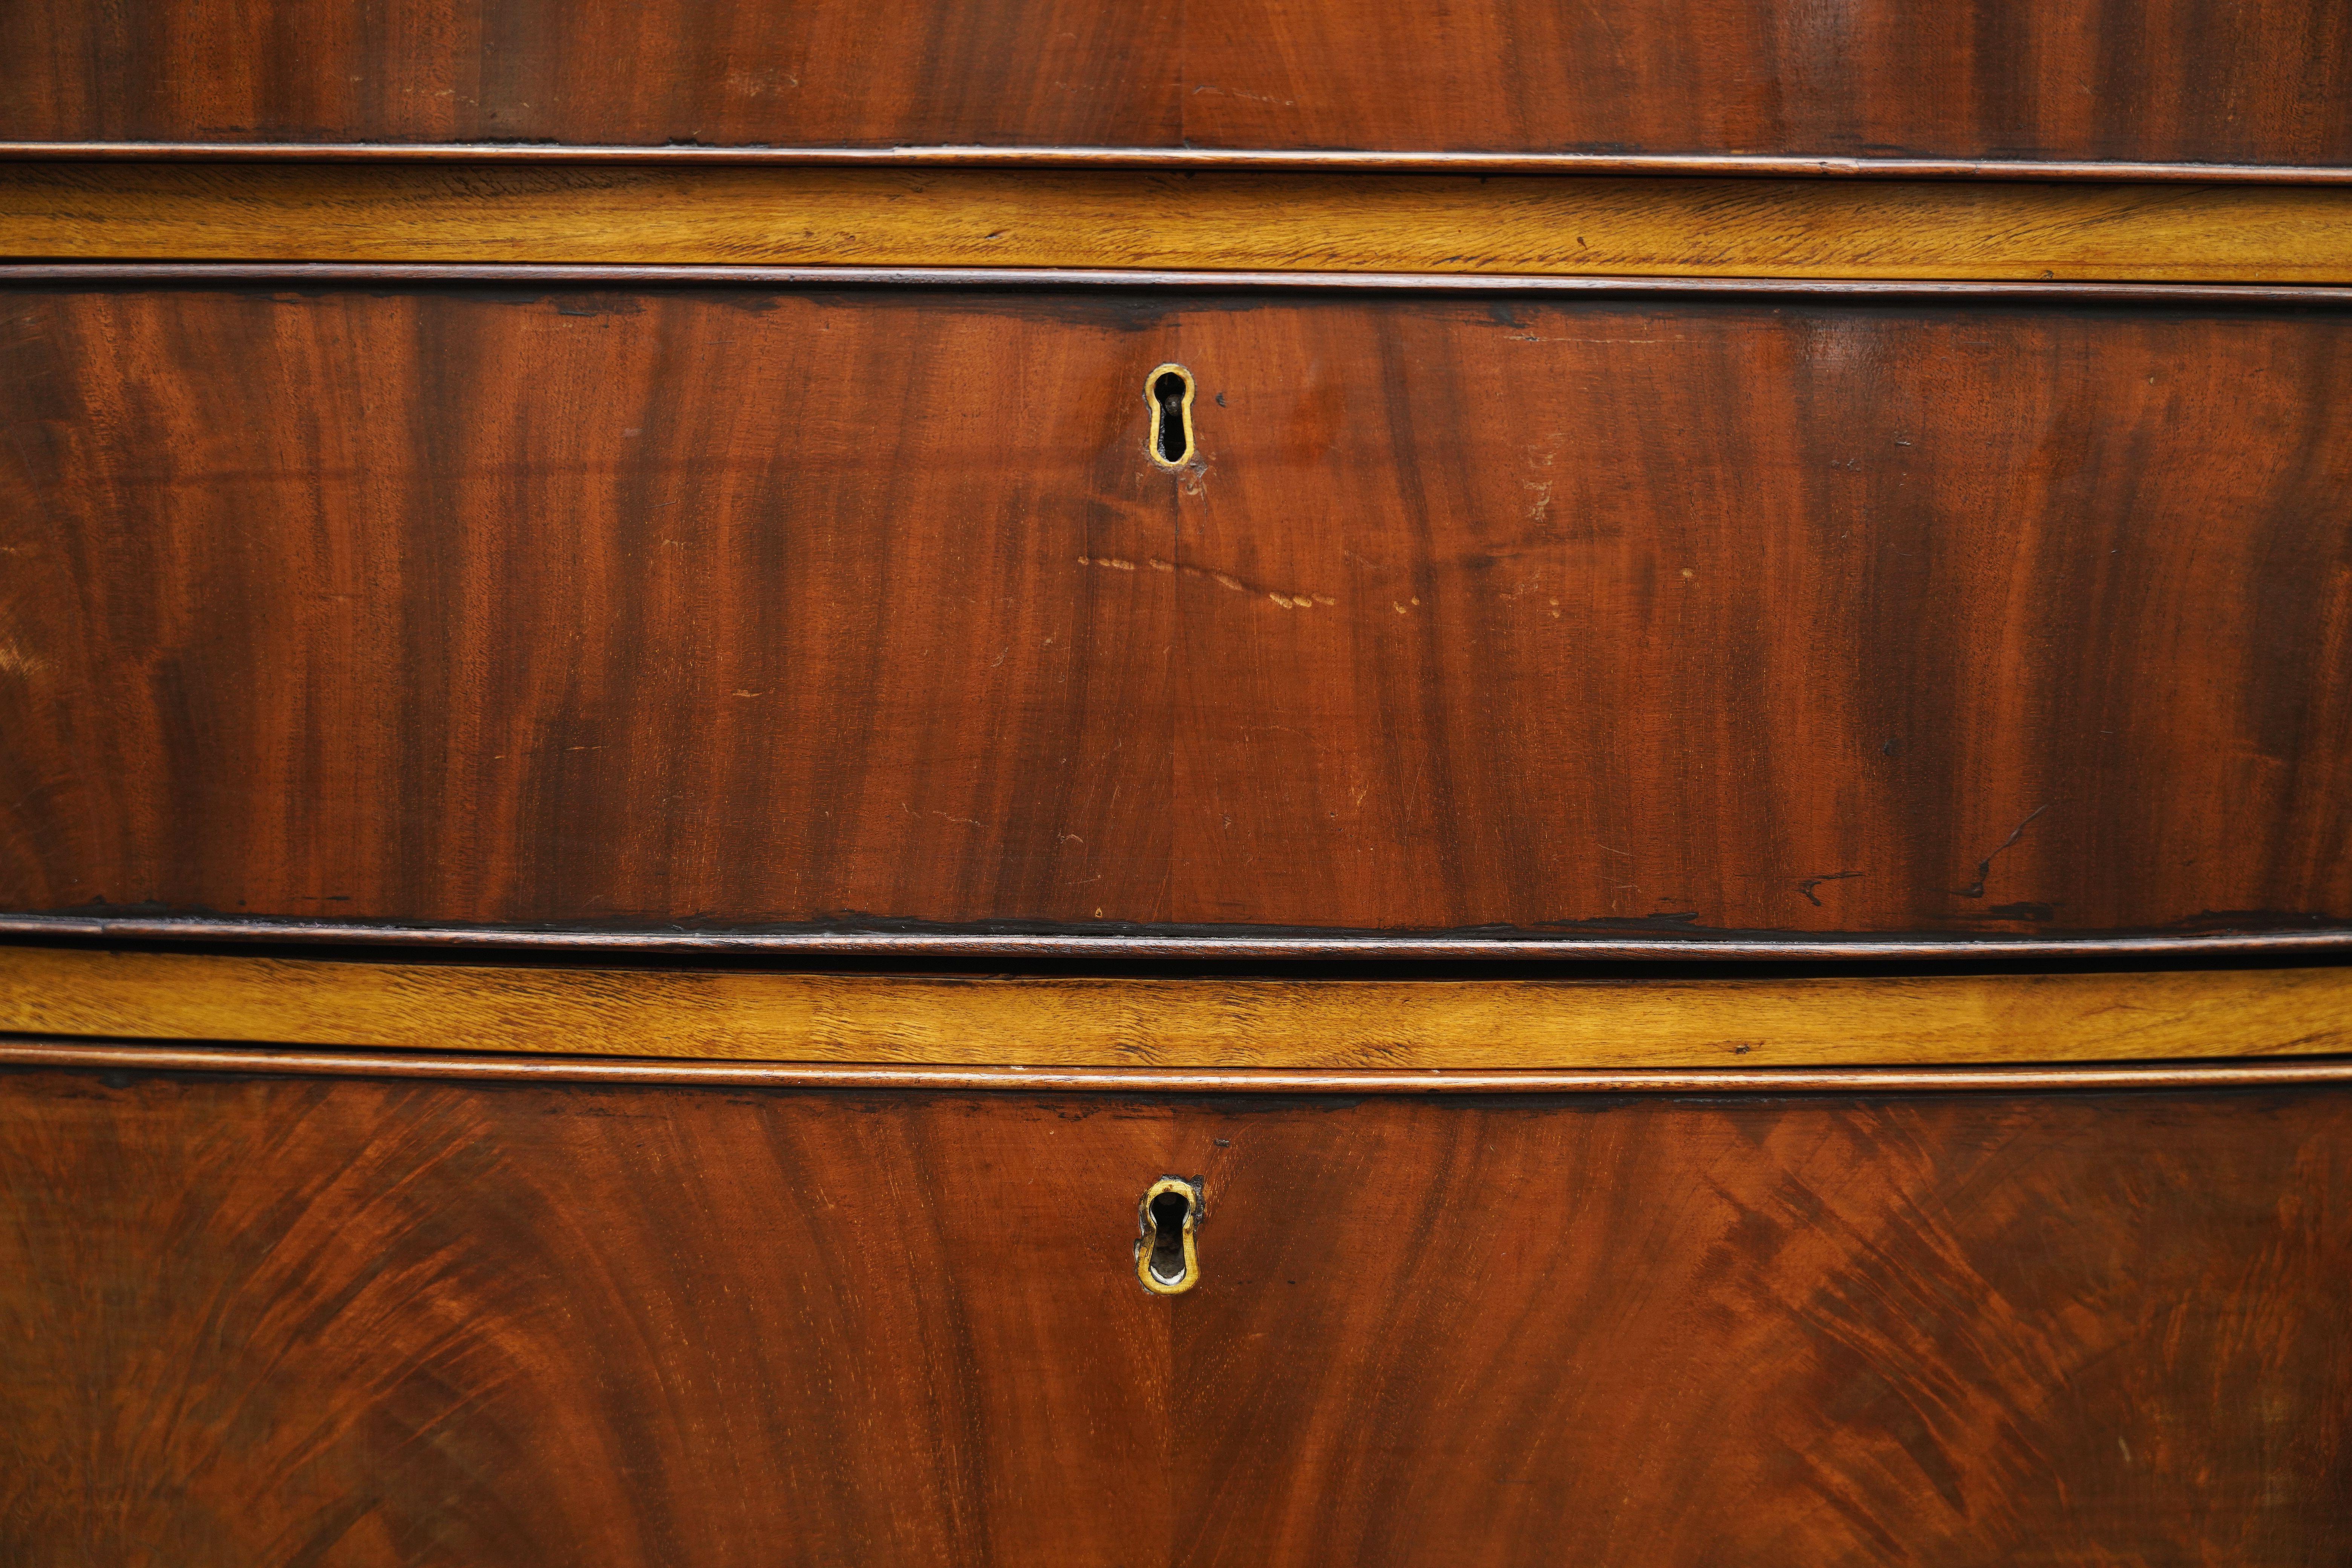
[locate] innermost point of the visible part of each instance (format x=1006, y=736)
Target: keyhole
x=1168, y=1212
x=1167, y=1260
x=1168, y=391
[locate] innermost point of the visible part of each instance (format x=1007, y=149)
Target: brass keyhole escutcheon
x=1168, y=392
x=1167, y=1258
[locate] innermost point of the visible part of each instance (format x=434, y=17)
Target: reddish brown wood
x=730, y=608
x=1017, y=71
x=359, y=1322
x=1986, y=78
x=2166, y=81
x=1837, y=1331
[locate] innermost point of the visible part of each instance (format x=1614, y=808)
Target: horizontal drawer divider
x=708, y=275
x=1096, y=1022
x=1285, y=159
x=1566, y=226
x=134, y=1056
x=1224, y=943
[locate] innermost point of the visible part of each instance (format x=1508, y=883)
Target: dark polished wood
x=359, y=1322
x=2193, y=82
x=958, y=548
x=727, y=609
x=2200, y=80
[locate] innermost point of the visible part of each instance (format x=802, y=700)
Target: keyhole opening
x=1169, y=392
x=1168, y=1212
x=1166, y=1256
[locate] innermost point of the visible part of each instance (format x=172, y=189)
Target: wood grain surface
x=1064, y=1021
x=354, y=1323
x=1087, y=219
x=743, y=610
x=1500, y=287
x=1188, y=159
x=2196, y=81
x=522, y=1067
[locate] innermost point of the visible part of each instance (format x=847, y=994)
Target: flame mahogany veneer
x=369, y=1321
x=2186, y=81
x=742, y=609
x=367, y=576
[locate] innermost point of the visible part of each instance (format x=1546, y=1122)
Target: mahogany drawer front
x=249, y=1319
x=747, y=611
x=2201, y=81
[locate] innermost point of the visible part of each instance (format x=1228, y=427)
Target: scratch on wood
x=908, y=806
x=1288, y=600
x=1807, y=886
x=1984, y=866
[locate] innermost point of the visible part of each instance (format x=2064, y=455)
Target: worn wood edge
x=719, y=274
x=1285, y=159
x=1320, y=1023
x=22, y=1051
x=1549, y=225
x=1242, y=942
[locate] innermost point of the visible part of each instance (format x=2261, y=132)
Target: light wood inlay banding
x=1336, y=1024
x=1538, y=225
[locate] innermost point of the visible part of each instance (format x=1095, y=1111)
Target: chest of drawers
x=1019, y=783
